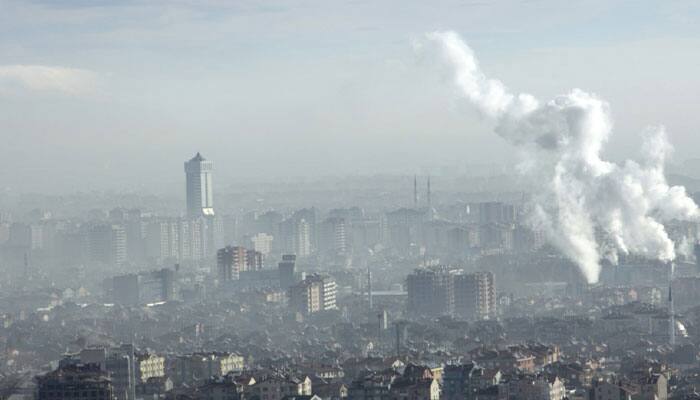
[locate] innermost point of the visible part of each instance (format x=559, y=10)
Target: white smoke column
x=584, y=203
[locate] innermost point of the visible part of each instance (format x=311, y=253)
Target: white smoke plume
x=589, y=208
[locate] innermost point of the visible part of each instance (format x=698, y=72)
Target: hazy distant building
x=194, y=239
x=461, y=239
x=232, y=260
x=198, y=367
x=205, y=232
x=262, y=243
x=75, y=381
x=134, y=229
x=118, y=362
x=334, y=238
x=135, y=233
x=157, y=286
x=162, y=240
x=254, y=260
x=286, y=270
x=144, y=288
x=267, y=222
x=534, y=387
x=125, y=289
x=475, y=295
x=495, y=212
x=295, y=236
x=496, y=236
x=121, y=369
x=443, y=290
x=199, y=186
x=28, y=236
x=313, y=294
x=431, y=291
x=230, y=226
x=310, y=216
x=228, y=262
x=364, y=234
x=402, y=227
x=107, y=244
x=72, y=246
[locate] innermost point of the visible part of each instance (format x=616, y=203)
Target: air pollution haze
x=590, y=208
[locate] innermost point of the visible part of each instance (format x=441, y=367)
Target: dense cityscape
x=430, y=299
x=349, y=200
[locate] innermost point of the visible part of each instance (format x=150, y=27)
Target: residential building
x=149, y=366
x=199, y=367
x=277, y=387
x=107, y=244
x=313, y=294
x=475, y=296
x=75, y=381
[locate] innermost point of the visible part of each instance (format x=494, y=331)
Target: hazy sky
x=98, y=94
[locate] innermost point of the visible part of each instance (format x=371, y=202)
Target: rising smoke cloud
x=589, y=208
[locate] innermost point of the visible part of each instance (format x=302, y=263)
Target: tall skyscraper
x=199, y=188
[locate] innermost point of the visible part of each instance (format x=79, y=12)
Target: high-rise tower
x=199, y=190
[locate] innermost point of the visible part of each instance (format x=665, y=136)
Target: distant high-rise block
x=125, y=289
x=232, y=260
x=253, y=261
x=295, y=236
x=262, y=242
x=334, y=237
x=447, y=291
x=118, y=362
x=286, y=270
x=107, y=244
x=229, y=261
x=475, y=295
x=144, y=287
x=313, y=294
x=430, y=291
x=199, y=186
